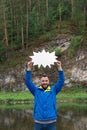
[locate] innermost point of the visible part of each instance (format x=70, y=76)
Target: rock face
x=13, y=81
x=77, y=73
x=75, y=68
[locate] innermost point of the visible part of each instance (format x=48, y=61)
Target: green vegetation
x=75, y=94
x=12, y=96
x=61, y=106
x=16, y=106
x=50, y=35
x=68, y=99
x=72, y=96
x=82, y=107
x=75, y=43
x=25, y=21
x=58, y=52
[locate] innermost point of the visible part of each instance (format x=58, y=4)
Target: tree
x=22, y=20
x=27, y=20
x=38, y=11
x=72, y=6
x=22, y=27
x=47, y=7
x=5, y=28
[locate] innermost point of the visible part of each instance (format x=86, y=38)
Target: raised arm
x=60, y=82
x=28, y=78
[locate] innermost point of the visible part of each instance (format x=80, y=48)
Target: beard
x=45, y=86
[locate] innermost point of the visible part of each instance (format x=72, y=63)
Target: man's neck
x=44, y=87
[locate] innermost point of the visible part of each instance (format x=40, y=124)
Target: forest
x=22, y=21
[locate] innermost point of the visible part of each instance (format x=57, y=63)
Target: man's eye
x=42, y=80
x=46, y=80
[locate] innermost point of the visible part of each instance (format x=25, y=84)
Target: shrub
x=75, y=43
x=58, y=52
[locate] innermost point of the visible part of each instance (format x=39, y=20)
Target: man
x=45, y=113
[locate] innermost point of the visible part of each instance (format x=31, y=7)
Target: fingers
x=59, y=65
x=30, y=64
x=58, y=62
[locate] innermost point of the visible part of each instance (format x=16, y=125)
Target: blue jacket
x=45, y=100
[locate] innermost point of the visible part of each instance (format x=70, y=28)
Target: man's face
x=44, y=82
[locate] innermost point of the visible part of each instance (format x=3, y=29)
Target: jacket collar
x=47, y=90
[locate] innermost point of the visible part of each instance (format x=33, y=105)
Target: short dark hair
x=44, y=75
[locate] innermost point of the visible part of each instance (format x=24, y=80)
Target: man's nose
x=45, y=82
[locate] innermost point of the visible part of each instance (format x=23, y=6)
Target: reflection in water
x=13, y=119
x=72, y=121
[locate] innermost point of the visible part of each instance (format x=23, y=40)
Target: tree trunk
x=30, y=5
x=47, y=7
x=85, y=28
x=72, y=4
x=22, y=30
x=5, y=30
x=15, y=19
x=38, y=10
x=60, y=16
x=85, y=17
x=11, y=15
x=27, y=22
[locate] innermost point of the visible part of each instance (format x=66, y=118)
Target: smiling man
x=44, y=81
x=45, y=113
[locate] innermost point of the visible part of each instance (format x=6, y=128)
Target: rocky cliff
x=75, y=68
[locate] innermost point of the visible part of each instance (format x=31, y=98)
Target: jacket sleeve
x=29, y=83
x=60, y=82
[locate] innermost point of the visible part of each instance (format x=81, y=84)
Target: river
x=71, y=117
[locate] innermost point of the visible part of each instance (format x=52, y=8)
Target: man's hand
x=59, y=65
x=29, y=65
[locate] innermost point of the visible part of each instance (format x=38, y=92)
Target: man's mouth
x=44, y=85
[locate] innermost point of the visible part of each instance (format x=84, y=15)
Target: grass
x=74, y=94
x=15, y=96
x=17, y=106
x=67, y=99
x=60, y=106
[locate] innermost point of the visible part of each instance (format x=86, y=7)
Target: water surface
x=71, y=117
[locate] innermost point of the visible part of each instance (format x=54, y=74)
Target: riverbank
x=66, y=95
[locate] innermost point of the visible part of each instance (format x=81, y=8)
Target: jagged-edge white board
x=43, y=58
